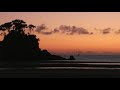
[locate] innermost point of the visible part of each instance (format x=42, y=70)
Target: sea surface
x=82, y=62
x=98, y=58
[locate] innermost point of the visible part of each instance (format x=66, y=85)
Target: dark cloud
x=106, y=31
x=41, y=28
x=56, y=30
x=63, y=29
x=117, y=32
x=50, y=32
x=47, y=33
x=71, y=30
x=91, y=33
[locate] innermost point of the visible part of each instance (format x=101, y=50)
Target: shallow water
x=65, y=68
x=88, y=68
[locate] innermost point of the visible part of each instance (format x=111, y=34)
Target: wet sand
x=59, y=73
x=63, y=69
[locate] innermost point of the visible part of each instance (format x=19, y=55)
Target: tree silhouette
x=19, y=24
x=31, y=27
x=7, y=26
x=16, y=43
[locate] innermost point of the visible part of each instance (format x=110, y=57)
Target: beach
x=60, y=73
x=60, y=69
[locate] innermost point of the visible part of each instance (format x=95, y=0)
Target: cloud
x=117, y=32
x=56, y=30
x=50, y=32
x=71, y=30
x=41, y=28
x=47, y=33
x=106, y=31
x=63, y=29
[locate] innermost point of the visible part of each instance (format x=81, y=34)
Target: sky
x=73, y=32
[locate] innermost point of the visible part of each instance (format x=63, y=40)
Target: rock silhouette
x=71, y=58
x=20, y=45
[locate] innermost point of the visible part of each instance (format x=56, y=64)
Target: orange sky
x=97, y=42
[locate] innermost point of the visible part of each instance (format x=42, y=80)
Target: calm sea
x=99, y=58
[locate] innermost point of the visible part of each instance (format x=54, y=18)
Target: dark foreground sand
x=61, y=73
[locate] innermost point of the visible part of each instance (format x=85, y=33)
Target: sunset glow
x=90, y=32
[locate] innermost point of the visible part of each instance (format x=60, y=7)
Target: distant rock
x=71, y=58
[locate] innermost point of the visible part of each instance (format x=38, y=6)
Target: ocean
x=98, y=58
